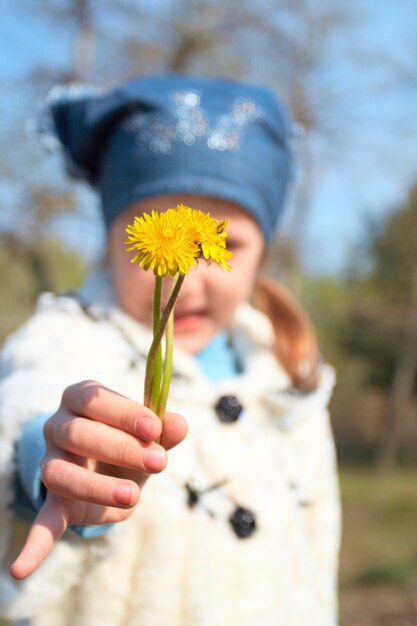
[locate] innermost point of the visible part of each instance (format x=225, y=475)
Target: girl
x=242, y=525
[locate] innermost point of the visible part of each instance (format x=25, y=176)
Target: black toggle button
x=193, y=495
x=228, y=409
x=243, y=522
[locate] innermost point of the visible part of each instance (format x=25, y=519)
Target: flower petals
x=171, y=241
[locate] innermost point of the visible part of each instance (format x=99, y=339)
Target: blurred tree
x=277, y=42
x=356, y=407
x=287, y=45
x=384, y=324
x=26, y=270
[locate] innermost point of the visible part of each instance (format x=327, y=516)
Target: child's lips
x=188, y=320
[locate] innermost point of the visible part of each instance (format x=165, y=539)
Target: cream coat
x=171, y=565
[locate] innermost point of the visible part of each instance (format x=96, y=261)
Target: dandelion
x=170, y=243
x=163, y=242
x=210, y=235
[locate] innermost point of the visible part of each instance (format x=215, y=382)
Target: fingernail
x=147, y=427
x=154, y=459
x=123, y=494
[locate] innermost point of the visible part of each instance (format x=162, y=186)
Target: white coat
x=171, y=564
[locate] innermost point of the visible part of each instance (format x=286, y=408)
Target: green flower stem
x=169, y=353
x=158, y=337
x=157, y=368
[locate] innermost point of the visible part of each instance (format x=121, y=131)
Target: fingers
x=48, y=526
x=88, y=439
x=77, y=495
x=69, y=480
x=174, y=430
x=94, y=401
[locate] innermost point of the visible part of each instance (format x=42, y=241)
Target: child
x=242, y=525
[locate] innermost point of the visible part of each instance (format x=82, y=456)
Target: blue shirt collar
x=218, y=359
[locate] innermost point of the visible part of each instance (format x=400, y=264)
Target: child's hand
x=100, y=449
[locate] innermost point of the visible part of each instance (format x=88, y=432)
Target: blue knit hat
x=173, y=134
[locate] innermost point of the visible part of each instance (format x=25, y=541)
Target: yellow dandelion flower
x=164, y=242
x=210, y=234
x=170, y=243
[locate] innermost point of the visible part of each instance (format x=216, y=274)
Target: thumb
x=48, y=526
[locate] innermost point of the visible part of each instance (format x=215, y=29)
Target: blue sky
x=370, y=180
x=375, y=176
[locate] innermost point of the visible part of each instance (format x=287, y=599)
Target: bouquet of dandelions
x=170, y=243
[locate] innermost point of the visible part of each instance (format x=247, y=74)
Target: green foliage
x=64, y=268
x=355, y=409
x=25, y=272
x=18, y=292
x=327, y=301
x=384, y=509
x=395, y=253
x=378, y=566
x=382, y=298
x=367, y=329
x=392, y=571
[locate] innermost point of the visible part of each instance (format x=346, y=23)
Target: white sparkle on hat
x=191, y=122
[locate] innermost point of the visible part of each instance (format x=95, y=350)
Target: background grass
x=378, y=563
x=378, y=566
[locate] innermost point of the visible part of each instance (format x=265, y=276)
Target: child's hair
x=296, y=345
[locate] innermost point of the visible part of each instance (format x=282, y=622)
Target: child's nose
x=194, y=279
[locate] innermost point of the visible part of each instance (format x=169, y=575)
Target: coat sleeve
x=312, y=466
x=316, y=463
x=36, y=364
x=324, y=516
